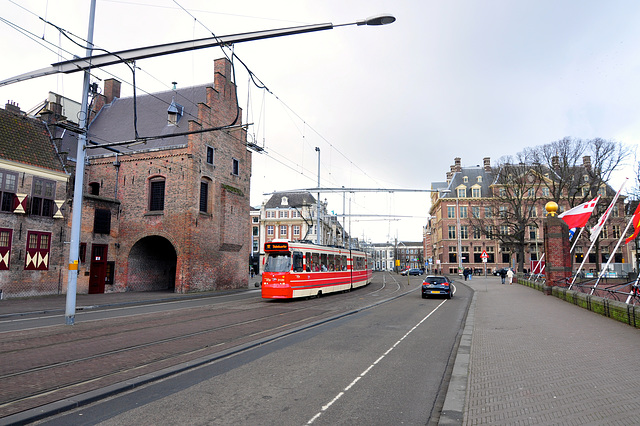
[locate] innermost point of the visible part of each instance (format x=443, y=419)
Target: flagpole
x=631, y=289
x=598, y=227
x=576, y=240
x=539, y=263
x=611, y=255
x=584, y=259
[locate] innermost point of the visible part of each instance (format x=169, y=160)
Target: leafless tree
x=514, y=205
x=577, y=169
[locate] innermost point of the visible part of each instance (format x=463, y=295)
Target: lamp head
x=378, y=20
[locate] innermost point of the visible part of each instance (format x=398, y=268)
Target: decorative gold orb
x=552, y=208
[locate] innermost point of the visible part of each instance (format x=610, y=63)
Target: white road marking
x=326, y=407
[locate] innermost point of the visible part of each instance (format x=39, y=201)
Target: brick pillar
x=558, y=260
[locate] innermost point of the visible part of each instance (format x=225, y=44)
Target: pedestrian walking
x=503, y=274
x=510, y=275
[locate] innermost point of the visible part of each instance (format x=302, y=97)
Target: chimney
x=12, y=107
x=487, y=164
x=458, y=166
x=111, y=89
x=586, y=162
x=555, y=162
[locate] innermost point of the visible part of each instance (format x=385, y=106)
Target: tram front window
x=278, y=262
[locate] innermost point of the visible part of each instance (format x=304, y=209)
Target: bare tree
x=514, y=205
x=577, y=169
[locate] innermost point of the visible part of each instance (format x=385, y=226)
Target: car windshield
x=278, y=262
x=435, y=280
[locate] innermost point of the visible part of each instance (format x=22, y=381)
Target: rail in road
x=44, y=365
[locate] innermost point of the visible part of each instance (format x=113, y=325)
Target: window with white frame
x=270, y=230
x=464, y=232
x=452, y=231
x=283, y=230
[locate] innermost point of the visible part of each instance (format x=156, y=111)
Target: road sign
x=484, y=255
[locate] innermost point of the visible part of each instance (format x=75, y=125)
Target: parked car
x=415, y=271
x=437, y=285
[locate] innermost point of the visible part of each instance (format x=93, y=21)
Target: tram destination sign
x=281, y=246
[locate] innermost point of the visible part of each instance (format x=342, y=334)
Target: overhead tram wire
x=257, y=82
x=263, y=86
x=62, y=31
x=68, y=35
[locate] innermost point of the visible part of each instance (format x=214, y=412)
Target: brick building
x=166, y=196
x=33, y=190
x=169, y=210
x=454, y=242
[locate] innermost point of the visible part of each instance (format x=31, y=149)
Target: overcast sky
x=390, y=106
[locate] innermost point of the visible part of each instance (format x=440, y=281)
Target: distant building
x=383, y=256
x=292, y=215
x=455, y=242
x=410, y=254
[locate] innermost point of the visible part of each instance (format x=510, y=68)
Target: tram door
x=98, y=271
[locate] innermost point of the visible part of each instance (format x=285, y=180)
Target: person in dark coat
x=503, y=274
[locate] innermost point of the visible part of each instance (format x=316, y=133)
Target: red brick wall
x=212, y=248
x=558, y=260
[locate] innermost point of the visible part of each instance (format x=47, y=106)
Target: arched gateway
x=152, y=265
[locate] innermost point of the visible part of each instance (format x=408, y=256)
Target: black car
x=497, y=271
x=412, y=271
x=437, y=285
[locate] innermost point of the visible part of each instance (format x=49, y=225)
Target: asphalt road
x=386, y=364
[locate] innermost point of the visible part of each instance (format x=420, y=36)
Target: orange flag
x=636, y=225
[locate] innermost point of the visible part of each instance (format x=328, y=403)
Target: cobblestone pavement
x=535, y=359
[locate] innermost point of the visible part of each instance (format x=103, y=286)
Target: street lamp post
x=318, y=239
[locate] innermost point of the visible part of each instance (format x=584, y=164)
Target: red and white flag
x=578, y=216
x=595, y=231
x=635, y=221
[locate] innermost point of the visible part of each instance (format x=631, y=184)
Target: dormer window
x=479, y=179
x=465, y=179
x=174, y=113
x=284, y=201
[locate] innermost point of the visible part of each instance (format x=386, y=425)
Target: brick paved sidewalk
x=536, y=359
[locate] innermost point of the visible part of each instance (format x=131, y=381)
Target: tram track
x=46, y=373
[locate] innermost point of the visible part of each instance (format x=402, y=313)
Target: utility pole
x=318, y=239
x=76, y=215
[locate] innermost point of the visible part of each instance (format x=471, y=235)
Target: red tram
x=294, y=269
